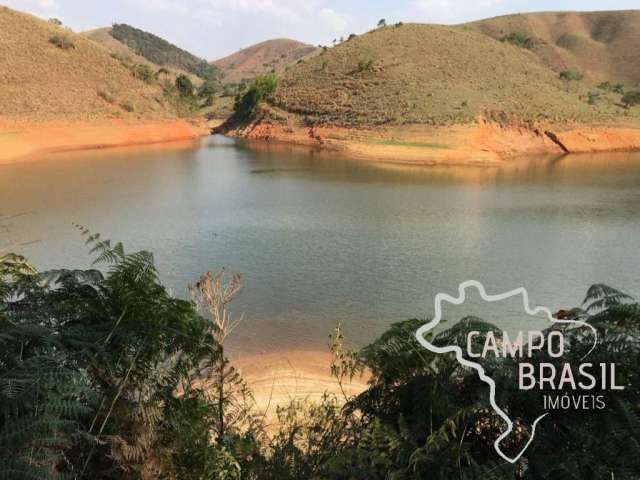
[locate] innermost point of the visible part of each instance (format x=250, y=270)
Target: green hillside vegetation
x=429, y=74
x=163, y=53
x=127, y=56
x=605, y=46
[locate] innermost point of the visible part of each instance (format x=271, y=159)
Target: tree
x=568, y=76
x=208, y=90
x=519, y=39
x=631, y=98
x=213, y=293
x=62, y=42
x=184, y=86
x=257, y=92
x=382, y=23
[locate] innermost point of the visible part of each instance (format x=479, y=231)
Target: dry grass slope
x=40, y=81
x=605, y=46
x=428, y=74
x=120, y=50
x=104, y=38
x=264, y=57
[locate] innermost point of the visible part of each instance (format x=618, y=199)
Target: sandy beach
x=278, y=378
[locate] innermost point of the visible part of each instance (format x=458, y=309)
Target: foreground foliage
x=104, y=375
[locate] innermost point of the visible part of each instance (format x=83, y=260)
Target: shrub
x=568, y=76
x=184, y=86
x=62, y=42
x=519, y=39
x=608, y=87
x=259, y=90
x=55, y=21
x=631, y=98
x=571, y=75
x=351, y=36
x=208, y=89
x=365, y=65
x=127, y=106
x=143, y=72
x=593, y=97
x=106, y=96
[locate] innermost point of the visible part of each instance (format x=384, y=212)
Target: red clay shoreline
x=20, y=141
x=480, y=144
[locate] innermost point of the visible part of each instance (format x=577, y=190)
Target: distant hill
x=604, y=46
x=160, y=52
x=264, y=57
x=48, y=72
x=428, y=74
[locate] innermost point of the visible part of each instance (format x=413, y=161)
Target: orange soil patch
x=21, y=140
x=481, y=143
x=600, y=138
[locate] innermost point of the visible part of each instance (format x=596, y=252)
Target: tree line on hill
x=161, y=52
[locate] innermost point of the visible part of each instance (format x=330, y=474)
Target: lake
x=324, y=239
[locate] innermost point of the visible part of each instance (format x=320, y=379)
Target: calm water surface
x=323, y=239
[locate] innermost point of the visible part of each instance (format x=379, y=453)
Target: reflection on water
x=323, y=239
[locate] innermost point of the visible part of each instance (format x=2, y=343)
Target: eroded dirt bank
x=21, y=141
x=481, y=143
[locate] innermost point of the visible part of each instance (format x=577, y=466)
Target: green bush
x=568, y=76
x=519, y=39
x=62, y=42
x=631, y=98
x=185, y=86
x=259, y=90
x=144, y=73
x=365, y=65
x=571, y=75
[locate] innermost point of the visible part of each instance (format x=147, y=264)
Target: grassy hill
x=604, y=46
x=160, y=52
x=429, y=74
x=48, y=72
x=270, y=56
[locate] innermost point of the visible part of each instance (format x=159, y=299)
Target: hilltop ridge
x=604, y=46
x=264, y=57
